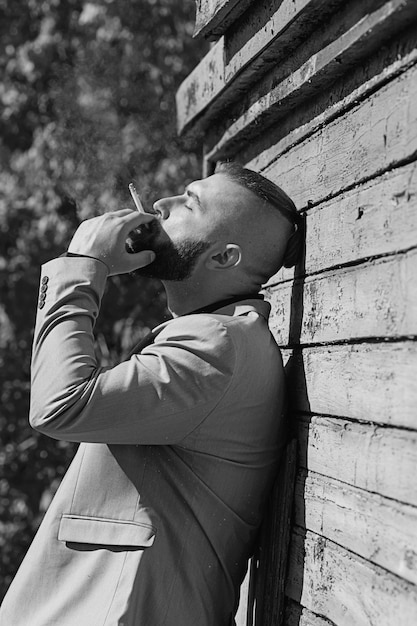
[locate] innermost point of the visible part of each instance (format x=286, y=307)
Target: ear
x=229, y=256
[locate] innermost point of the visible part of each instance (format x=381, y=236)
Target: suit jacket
x=155, y=520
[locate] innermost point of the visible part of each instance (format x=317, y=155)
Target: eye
x=188, y=203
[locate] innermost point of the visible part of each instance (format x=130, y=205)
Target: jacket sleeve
x=156, y=397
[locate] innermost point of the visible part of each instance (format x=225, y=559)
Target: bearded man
x=155, y=520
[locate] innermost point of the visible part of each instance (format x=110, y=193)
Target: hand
x=104, y=238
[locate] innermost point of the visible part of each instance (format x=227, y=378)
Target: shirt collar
x=243, y=307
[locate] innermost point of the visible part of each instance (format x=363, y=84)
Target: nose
x=162, y=207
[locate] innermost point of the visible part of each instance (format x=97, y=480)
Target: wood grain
x=380, y=74
x=378, y=459
x=370, y=382
x=378, y=529
x=243, y=57
x=336, y=583
x=373, y=219
x=214, y=16
x=201, y=86
x=270, y=33
x=379, y=134
x=374, y=299
x=286, y=88
x=296, y=615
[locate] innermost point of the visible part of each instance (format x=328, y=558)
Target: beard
x=174, y=261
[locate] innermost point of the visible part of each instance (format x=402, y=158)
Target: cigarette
x=136, y=198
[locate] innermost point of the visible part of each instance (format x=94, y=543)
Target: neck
x=186, y=296
x=182, y=297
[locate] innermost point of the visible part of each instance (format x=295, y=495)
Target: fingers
x=123, y=213
x=131, y=219
x=132, y=262
x=104, y=238
x=144, y=258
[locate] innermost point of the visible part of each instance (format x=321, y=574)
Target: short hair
x=273, y=195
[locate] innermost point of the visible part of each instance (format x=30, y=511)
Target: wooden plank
x=245, y=56
x=346, y=589
x=375, y=458
x=373, y=382
x=275, y=97
x=374, y=299
x=378, y=529
x=213, y=17
x=374, y=219
x=290, y=136
x=271, y=33
x=297, y=615
x=201, y=85
x=378, y=135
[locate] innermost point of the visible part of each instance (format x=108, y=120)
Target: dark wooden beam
x=213, y=17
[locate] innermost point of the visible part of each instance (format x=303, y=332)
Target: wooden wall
x=321, y=97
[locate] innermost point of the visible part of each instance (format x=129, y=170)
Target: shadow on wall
x=275, y=556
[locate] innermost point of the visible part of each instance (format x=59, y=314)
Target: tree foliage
x=87, y=105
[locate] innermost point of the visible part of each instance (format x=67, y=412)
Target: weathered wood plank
x=248, y=55
x=377, y=135
x=297, y=615
x=270, y=33
x=374, y=299
x=373, y=382
x=378, y=459
x=274, y=97
x=378, y=529
x=348, y=590
x=245, y=56
x=373, y=219
x=201, y=85
x=213, y=17
x=399, y=61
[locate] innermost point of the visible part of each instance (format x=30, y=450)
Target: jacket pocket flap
x=111, y=532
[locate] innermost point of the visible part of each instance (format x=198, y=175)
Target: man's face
x=185, y=227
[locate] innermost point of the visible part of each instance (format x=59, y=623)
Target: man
x=156, y=518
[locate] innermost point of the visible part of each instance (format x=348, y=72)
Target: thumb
x=129, y=262
x=140, y=259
